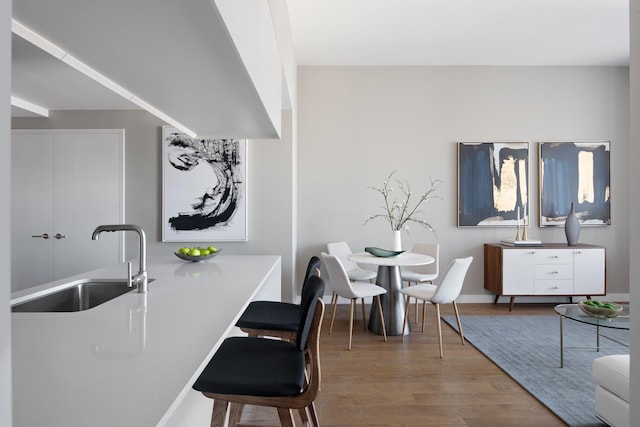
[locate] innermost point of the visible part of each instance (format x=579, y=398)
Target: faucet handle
x=129, y=276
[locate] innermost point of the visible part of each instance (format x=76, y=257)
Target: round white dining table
x=393, y=303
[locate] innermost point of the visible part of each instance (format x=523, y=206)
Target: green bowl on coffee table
x=602, y=310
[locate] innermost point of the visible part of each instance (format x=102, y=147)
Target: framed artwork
x=493, y=183
x=579, y=173
x=204, y=188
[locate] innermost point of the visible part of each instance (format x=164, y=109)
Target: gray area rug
x=527, y=348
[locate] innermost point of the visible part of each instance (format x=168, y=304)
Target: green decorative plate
x=382, y=253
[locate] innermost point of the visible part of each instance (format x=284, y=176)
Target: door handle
x=43, y=236
x=60, y=236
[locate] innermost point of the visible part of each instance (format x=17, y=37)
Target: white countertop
x=129, y=361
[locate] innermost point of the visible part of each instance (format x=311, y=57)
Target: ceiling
x=460, y=32
x=388, y=32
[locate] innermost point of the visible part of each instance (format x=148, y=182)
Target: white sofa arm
x=611, y=378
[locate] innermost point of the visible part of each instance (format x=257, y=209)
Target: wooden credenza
x=552, y=269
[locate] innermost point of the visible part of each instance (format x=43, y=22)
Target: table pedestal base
x=393, y=303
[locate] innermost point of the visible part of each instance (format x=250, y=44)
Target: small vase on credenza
x=572, y=227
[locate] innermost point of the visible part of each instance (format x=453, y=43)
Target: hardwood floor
x=392, y=383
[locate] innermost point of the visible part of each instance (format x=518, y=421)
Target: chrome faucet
x=140, y=280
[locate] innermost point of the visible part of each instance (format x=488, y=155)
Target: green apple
x=204, y=252
x=212, y=249
x=184, y=250
x=194, y=252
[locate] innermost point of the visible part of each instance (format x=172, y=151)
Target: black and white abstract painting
x=578, y=173
x=204, y=188
x=493, y=183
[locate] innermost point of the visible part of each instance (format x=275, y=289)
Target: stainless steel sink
x=80, y=295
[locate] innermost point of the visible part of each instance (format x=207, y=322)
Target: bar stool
x=267, y=372
x=276, y=319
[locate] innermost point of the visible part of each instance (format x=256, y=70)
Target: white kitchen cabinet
x=554, y=269
x=64, y=184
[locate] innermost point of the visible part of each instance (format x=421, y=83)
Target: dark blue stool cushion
x=254, y=367
x=278, y=316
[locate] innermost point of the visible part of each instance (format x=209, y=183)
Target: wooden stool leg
x=364, y=320
x=314, y=415
x=219, y=415
x=286, y=417
x=303, y=416
x=235, y=413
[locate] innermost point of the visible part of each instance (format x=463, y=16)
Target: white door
x=83, y=189
x=31, y=210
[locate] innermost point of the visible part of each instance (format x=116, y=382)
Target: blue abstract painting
x=579, y=173
x=493, y=181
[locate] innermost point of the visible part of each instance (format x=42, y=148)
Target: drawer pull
x=555, y=256
x=555, y=287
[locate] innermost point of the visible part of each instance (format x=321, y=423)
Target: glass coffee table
x=573, y=312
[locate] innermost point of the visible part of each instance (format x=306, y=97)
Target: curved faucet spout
x=141, y=278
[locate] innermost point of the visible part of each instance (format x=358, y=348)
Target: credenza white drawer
x=551, y=287
x=553, y=271
x=553, y=257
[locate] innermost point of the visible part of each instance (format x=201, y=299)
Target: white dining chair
x=426, y=273
x=446, y=292
x=354, y=271
x=352, y=290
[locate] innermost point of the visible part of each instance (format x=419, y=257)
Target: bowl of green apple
x=602, y=310
x=197, y=253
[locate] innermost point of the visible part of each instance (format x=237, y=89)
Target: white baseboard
x=488, y=299
x=542, y=299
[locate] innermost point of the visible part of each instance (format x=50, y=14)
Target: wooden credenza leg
x=496, y=300
x=511, y=301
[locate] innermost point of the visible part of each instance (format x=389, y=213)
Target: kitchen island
x=132, y=360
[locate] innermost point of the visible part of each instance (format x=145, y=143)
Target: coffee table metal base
x=597, y=347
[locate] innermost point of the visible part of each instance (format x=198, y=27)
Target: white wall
x=356, y=124
x=5, y=193
x=269, y=175
x=634, y=195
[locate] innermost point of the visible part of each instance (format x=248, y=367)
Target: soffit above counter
x=179, y=57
